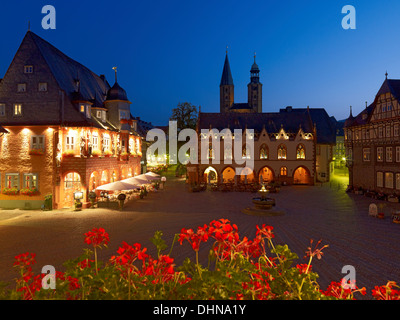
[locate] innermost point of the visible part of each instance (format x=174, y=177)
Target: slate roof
x=66, y=71
x=392, y=86
x=226, y=78
x=272, y=122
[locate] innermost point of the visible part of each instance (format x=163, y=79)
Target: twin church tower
x=227, y=102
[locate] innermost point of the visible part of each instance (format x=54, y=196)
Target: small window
x=28, y=69
x=379, y=154
x=37, y=142
x=397, y=181
x=300, y=152
x=103, y=116
x=389, y=154
x=30, y=181
x=2, y=110
x=95, y=142
x=366, y=154
x=282, y=152
x=69, y=143
x=17, y=110
x=43, y=86
x=283, y=171
x=98, y=114
x=82, y=108
x=12, y=180
x=21, y=87
x=397, y=154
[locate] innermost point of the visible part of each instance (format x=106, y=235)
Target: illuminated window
x=366, y=154
x=379, y=154
x=72, y=181
x=17, y=110
x=106, y=142
x=264, y=152
x=12, y=180
x=300, y=152
x=283, y=171
x=282, y=152
x=246, y=152
x=95, y=142
x=389, y=180
x=30, y=181
x=70, y=142
x=211, y=154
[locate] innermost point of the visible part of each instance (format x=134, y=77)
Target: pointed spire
x=115, y=70
x=351, y=112
x=386, y=74
x=226, y=78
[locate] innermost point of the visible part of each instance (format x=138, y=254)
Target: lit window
x=28, y=69
x=106, y=142
x=300, y=152
x=95, y=142
x=366, y=154
x=17, y=110
x=246, y=152
x=30, y=181
x=398, y=181
x=82, y=107
x=12, y=180
x=21, y=87
x=98, y=114
x=210, y=152
x=389, y=180
x=283, y=171
x=264, y=152
x=379, y=154
x=70, y=142
x=2, y=110
x=282, y=153
x=43, y=86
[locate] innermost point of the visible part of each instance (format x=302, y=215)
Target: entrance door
x=72, y=183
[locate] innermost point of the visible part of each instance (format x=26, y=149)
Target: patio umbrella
x=152, y=174
x=152, y=177
x=117, y=186
x=136, y=181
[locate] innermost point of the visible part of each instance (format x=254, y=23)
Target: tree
x=185, y=114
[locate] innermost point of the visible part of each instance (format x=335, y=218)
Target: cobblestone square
x=325, y=212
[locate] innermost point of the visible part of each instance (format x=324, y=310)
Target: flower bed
x=238, y=268
x=36, y=152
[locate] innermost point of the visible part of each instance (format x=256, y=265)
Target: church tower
x=255, y=88
x=226, y=87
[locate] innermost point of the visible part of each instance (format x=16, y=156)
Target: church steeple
x=226, y=87
x=254, y=88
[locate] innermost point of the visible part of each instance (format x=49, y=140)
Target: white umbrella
x=152, y=177
x=152, y=174
x=117, y=186
x=136, y=181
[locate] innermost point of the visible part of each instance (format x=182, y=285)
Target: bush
x=238, y=268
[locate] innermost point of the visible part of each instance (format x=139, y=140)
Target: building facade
x=292, y=146
x=68, y=129
x=372, y=140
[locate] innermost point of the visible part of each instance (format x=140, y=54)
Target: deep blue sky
x=173, y=51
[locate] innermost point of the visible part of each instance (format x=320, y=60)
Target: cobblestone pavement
x=325, y=212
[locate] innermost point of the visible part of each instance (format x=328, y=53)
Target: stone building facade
x=67, y=129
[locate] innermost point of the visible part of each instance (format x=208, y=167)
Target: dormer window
x=28, y=69
x=85, y=108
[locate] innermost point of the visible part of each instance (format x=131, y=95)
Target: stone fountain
x=263, y=205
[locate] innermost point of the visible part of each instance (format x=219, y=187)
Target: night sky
x=173, y=51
